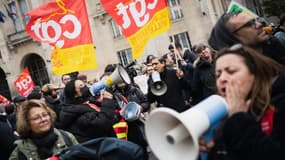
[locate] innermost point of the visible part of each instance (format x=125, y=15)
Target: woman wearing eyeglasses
x=38, y=138
x=254, y=128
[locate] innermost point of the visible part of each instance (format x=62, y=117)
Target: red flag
x=140, y=20
x=4, y=100
x=64, y=24
x=24, y=83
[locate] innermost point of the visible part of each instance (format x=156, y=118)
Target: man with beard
x=174, y=79
x=238, y=27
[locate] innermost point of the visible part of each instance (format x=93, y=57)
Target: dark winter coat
x=203, y=84
x=136, y=128
x=173, y=98
x=7, y=138
x=86, y=123
x=27, y=149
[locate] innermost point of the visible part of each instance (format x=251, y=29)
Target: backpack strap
x=66, y=138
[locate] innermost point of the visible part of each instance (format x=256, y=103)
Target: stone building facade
x=192, y=21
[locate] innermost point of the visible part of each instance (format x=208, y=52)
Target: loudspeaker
x=133, y=111
x=118, y=76
x=171, y=135
x=158, y=87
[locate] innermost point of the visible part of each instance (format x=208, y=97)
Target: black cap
x=18, y=99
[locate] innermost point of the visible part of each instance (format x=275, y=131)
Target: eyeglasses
x=38, y=117
x=250, y=23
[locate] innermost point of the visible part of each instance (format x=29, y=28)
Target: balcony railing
x=17, y=38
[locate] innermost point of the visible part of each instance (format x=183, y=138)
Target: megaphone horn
x=118, y=76
x=171, y=135
x=158, y=87
x=132, y=111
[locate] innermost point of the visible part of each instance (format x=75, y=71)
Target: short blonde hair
x=22, y=125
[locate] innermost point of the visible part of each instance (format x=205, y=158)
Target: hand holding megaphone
x=158, y=87
x=118, y=76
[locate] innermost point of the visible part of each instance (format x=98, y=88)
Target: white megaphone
x=132, y=112
x=171, y=134
x=158, y=87
x=118, y=76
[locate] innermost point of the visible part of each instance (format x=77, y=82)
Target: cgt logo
x=139, y=14
x=52, y=31
x=24, y=84
x=58, y=27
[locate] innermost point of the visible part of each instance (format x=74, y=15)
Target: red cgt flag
x=24, y=83
x=4, y=100
x=140, y=20
x=64, y=24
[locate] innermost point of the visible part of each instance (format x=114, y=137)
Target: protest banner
x=235, y=7
x=140, y=20
x=64, y=24
x=4, y=100
x=24, y=83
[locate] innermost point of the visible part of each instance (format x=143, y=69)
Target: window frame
x=125, y=56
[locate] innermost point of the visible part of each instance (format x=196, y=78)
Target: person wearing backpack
x=38, y=138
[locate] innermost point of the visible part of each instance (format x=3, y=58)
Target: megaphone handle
x=207, y=137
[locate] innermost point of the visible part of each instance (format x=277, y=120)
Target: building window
x=18, y=14
x=24, y=10
x=182, y=38
x=117, y=31
x=125, y=56
x=175, y=9
x=37, y=68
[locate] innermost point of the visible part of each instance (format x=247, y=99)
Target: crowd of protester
x=242, y=63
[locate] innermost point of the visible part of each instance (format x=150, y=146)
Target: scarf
x=44, y=143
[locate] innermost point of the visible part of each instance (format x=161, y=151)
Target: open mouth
x=223, y=92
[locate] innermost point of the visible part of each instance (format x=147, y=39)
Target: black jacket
x=134, y=94
x=7, y=138
x=136, y=128
x=203, y=84
x=86, y=123
x=173, y=98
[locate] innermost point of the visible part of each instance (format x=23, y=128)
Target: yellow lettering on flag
x=157, y=25
x=76, y=58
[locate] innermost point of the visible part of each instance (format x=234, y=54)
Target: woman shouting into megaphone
x=253, y=86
